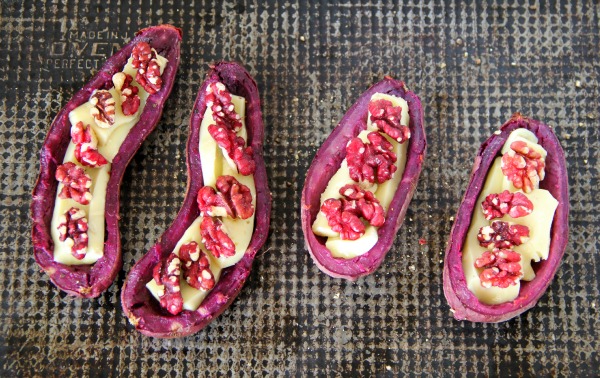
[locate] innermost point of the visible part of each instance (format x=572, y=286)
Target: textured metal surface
x=473, y=66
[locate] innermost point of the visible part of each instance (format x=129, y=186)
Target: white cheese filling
x=215, y=164
x=349, y=249
x=539, y=223
x=109, y=143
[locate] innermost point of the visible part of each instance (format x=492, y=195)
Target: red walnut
x=233, y=199
x=218, y=99
x=372, y=162
x=76, y=183
x=343, y=215
x=347, y=224
x=148, y=70
x=386, y=118
x=496, y=205
x=130, y=100
x=501, y=268
x=235, y=147
x=363, y=203
x=196, y=267
x=523, y=166
x=226, y=124
x=73, y=229
x=166, y=273
x=103, y=109
x=502, y=235
x=86, y=146
x=215, y=239
x=141, y=55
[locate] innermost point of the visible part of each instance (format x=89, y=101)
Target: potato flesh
x=539, y=223
x=214, y=164
x=384, y=192
x=109, y=143
x=522, y=135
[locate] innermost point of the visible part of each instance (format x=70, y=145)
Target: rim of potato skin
x=463, y=303
x=91, y=280
x=328, y=160
x=142, y=309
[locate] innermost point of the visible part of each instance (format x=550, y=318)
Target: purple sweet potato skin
x=143, y=311
x=463, y=302
x=89, y=281
x=328, y=160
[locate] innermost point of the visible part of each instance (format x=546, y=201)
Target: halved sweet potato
x=328, y=160
x=143, y=311
x=91, y=280
x=464, y=304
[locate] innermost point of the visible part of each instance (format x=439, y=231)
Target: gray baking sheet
x=473, y=64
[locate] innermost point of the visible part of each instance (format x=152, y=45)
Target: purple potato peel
x=142, y=309
x=90, y=281
x=328, y=160
x=464, y=304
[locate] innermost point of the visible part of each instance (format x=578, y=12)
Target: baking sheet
x=472, y=64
